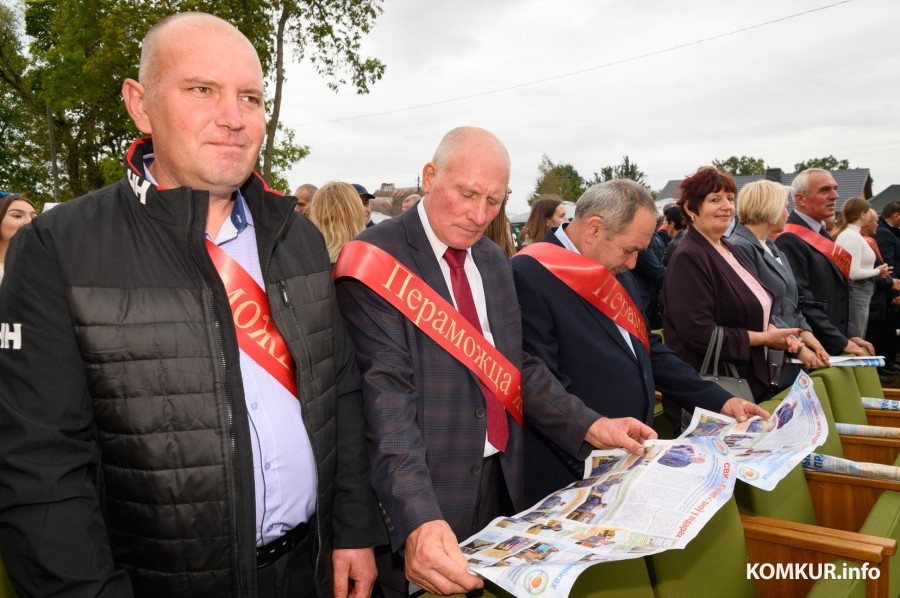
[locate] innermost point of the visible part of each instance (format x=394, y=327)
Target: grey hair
x=308, y=187
x=616, y=201
x=800, y=184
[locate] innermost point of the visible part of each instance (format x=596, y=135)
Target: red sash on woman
x=256, y=333
x=593, y=283
x=434, y=316
x=836, y=254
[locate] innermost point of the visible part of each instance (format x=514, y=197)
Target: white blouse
x=862, y=264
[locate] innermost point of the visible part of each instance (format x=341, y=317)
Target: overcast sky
x=672, y=84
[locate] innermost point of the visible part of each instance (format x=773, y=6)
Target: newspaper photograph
x=767, y=450
x=627, y=506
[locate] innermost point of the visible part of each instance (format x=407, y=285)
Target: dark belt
x=274, y=550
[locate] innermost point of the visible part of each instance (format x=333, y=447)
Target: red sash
x=434, y=316
x=593, y=283
x=836, y=254
x=256, y=333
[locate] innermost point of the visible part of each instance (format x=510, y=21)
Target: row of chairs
x=810, y=517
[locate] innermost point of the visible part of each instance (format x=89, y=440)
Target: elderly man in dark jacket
x=180, y=412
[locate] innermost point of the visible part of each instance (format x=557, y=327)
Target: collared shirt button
x=476, y=470
x=270, y=528
x=479, y=412
x=267, y=465
x=254, y=405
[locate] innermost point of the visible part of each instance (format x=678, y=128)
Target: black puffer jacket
x=125, y=462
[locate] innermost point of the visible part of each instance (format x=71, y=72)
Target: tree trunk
x=279, y=82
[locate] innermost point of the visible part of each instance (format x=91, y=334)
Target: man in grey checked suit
x=437, y=477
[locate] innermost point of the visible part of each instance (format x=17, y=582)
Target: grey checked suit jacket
x=425, y=411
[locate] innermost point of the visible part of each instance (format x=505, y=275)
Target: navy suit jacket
x=818, y=279
x=585, y=350
x=888, y=238
x=425, y=410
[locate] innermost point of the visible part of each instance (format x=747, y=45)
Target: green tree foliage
x=559, y=179
x=73, y=55
x=626, y=170
x=24, y=166
x=329, y=34
x=829, y=162
x=743, y=166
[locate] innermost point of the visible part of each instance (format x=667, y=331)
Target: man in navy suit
x=823, y=290
x=435, y=469
x=613, y=370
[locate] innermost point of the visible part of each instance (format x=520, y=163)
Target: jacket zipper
x=303, y=408
x=229, y=411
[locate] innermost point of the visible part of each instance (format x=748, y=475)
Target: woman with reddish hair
x=707, y=285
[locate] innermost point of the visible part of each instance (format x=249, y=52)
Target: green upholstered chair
x=6, y=589
x=617, y=579
x=833, y=501
x=713, y=564
x=870, y=386
x=844, y=401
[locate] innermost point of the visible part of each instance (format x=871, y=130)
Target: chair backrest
x=832, y=444
x=884, y=521
x=6, y=589
x=789, y=500
x=868, y=382
x=844, y=394
x=713, y=563
x=839, y=588
x=616, y=579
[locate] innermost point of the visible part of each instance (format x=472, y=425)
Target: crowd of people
x=234, y=392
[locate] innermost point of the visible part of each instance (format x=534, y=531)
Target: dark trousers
x=493, y=501
x=291, y=576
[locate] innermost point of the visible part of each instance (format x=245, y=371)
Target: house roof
x=892, y=193
x=852, y=182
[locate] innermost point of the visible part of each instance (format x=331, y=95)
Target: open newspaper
x=767, y=450
x=630, y=506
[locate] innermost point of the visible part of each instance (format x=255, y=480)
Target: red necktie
x=497, y=429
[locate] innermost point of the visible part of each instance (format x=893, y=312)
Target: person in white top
x=862, y=263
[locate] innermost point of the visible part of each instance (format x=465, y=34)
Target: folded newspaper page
x=864, y=430
x=817, y=462
x=767, y=450
x=883, y=404
x=627, y=507
x=850, y=361
x=630, y=506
